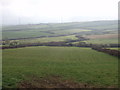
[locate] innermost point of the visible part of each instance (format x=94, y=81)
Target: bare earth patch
x=53, y=82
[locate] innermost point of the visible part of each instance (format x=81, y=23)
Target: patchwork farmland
x=81, y=65
x=60, y=55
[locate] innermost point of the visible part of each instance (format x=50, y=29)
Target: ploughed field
x=83, y=66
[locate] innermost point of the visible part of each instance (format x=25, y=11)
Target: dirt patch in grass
x=53, y=82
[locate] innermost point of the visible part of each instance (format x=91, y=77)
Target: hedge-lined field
x=103, y=41
x=83, y=65
x=48, y=39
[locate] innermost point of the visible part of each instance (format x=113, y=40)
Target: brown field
x=105, y=36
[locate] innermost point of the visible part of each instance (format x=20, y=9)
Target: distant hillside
x=94, y=24
x=55, y=29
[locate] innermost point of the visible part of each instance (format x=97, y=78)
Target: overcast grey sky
x=46, y=11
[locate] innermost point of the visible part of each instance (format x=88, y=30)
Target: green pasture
x=103, y=41
x=82, y=65
x=54, y=29
x=115, y=48
x=100, y=41
x=70, y=31
x=48, y=39
x=23, y=34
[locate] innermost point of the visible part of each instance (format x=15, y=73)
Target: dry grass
x=105, y=36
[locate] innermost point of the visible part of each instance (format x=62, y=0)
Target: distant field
x=37, y=33
x=115, y=48
x=103, y=36
x=54, y=29
x=70, y=31
x=23, y=34
x=103, y=41
x=79, y=64
x=49, y=39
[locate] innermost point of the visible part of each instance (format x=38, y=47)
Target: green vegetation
x=23, y=34
x=103, y=41
x=70, y=31
x=80, y=64
x=115, y=48
x=49, y=39
x=54, y=29
x=100, y=41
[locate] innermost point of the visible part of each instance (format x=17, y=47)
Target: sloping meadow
x=82, y=65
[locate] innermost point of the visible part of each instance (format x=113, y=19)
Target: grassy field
x=82, y=65
x=115, y=48
x=100, y=41
x=71, y=31
x=23, y=34
x=39, y=32
x=99, y=32
x=52, y=29
x=79, y=64
x=103, y=41
x=49, y=39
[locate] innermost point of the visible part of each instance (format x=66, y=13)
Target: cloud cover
x=38, y=11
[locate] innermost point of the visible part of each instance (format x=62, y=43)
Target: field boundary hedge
x=108, y=51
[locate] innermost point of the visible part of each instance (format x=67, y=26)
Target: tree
x=14, y=44
x=6, y=41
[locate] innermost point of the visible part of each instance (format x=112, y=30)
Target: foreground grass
x=79, y=64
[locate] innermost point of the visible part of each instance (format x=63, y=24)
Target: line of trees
x=105, y=50
x=16, y=44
